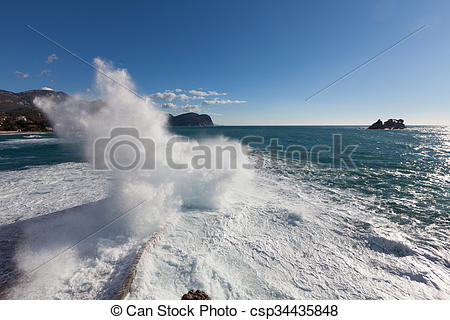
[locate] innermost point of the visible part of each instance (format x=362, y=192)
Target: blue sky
x=267, y=56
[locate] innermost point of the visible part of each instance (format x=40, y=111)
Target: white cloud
x=21, y=75
x=206, y=93
x=174, y=99
x=183, y=96
x=45, y=72
x=47, y=88
x=88, y=90
x=185, y=107
x=169, y=105
x=218, y=101
x=215, y=93
x=198, y=93
x=165, y=96
x=51, y=58
x=171, y=96
x=192, y=108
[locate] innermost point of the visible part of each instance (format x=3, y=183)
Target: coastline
x=25, y=132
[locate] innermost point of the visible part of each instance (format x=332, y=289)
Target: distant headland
x=190, y=119
x=390, y=124
x=18, y=113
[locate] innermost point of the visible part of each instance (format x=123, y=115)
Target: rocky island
x=390, y=124
x=19, y=113
x=190, y=119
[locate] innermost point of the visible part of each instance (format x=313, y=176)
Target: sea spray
x=146, y=198
x=121, y=108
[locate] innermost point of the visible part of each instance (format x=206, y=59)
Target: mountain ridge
x=18, y=112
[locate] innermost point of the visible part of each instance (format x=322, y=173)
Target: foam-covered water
x=42, y=190
x=287, y=239
x=378, y=231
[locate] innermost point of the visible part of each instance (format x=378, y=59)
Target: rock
x=394, y=124
x=195, y=295
x=390, y=124
x=190, y=119
x=377, y=125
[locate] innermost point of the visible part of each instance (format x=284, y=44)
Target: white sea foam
x=289, y=240
x=25, y=194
